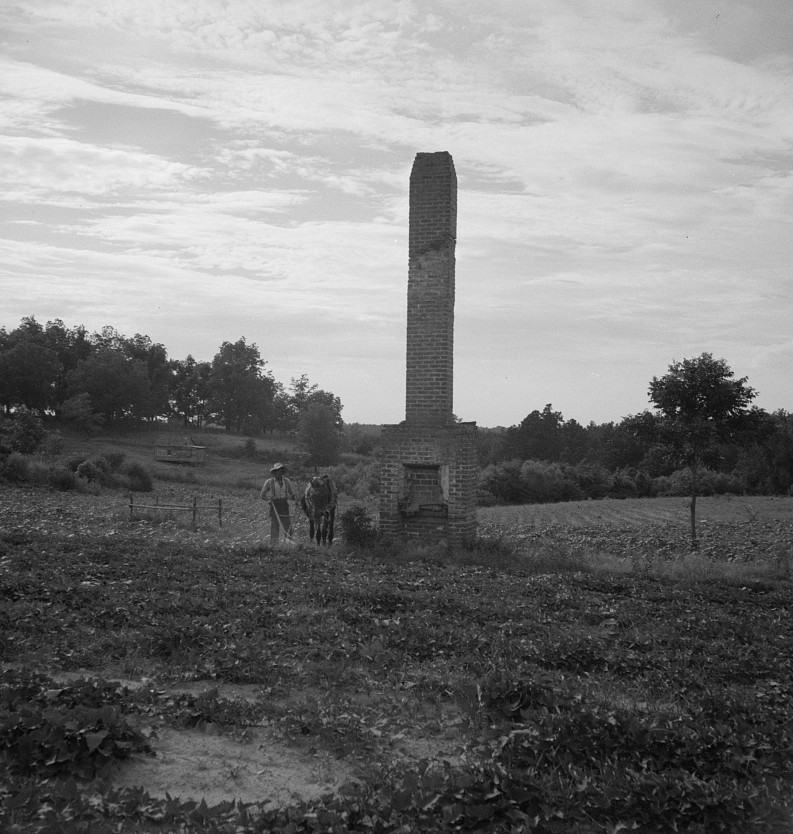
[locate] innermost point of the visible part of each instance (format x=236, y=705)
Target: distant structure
x=428, y=463
x=173, y=449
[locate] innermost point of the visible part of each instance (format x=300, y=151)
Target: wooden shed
x=175, y=449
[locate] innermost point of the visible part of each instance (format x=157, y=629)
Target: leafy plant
x=140, y=479
x=358, y=526
x=51, y=730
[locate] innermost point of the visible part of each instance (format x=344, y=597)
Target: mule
x=316, y=503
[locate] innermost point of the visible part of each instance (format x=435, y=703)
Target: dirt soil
x=197, y=764
x=252, y=764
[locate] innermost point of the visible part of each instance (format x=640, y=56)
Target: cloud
x=34, y=168
x=625, y=185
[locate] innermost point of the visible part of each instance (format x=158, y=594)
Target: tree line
x=701, y=438
x=106, y=377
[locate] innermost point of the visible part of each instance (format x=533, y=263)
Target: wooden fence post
x=131, y=507
x=220, y=512
x=195, y=513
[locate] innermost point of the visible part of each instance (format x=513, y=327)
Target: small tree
x=318, y=434
x=699, y=406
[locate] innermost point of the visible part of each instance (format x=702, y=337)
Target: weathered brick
x=429, y=455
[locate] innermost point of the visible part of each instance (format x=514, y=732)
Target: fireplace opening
x=425, y=490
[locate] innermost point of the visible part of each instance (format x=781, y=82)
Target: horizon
x=198, y=172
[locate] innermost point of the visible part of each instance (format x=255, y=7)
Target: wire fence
x=194, y=508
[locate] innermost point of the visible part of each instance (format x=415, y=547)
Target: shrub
x=88, y=471
x=100, y=462
x=358, y=526
x=140, y=479
x=52, y=445
x=644, y=485
x=503, y=482
x=359, y=480
x=622, y=485
x=594, y=481
x=485, y=498
x=16, y=468
x=62, y=479
x=38, y=473
x=26, y=432
x=114, y=459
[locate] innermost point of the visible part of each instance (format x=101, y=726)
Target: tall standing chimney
x=430, y=317
x=428, y=463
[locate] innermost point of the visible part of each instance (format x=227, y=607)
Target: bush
x=62, y=479
x=52, y=445
x=23, y=433
x=88, y=471
x=114, y=458
x=503, y=482
x=358, y=526
x=16, y=468
x=359, y=481
x=140, y=479
x=622, y=485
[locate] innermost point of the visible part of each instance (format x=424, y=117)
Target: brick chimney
x=428, y=463
x=430, y=332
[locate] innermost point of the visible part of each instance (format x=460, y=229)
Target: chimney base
x=428, y=482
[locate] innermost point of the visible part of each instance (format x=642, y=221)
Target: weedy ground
x=578, y=670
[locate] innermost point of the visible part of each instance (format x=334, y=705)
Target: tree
x=158, y=369
x=318, y=434
x=118, y=386
x=71, y=345
x=79, y=411
x=189, y=389
x=699, y=406
x=241, y=393
x=304, y=394
x=538, y=437
x=28, y=374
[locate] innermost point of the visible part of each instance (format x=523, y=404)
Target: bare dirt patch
x=198, y=764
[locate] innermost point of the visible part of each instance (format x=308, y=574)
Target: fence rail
x=193, y=508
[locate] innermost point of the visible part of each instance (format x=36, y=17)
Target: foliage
x=140, y=479
x=318, y=435
x=69, y=730
x=62, y=479
x=358, y=481
x=304, y=395
x=241, y=393
x=117, y=385
x=699, y=406
x=79, y=411
x=358, y=526
x=26, y=371
x=108, y=377
x=189, y=390
x=16, y=467
x=577, y=701
x=23, y=432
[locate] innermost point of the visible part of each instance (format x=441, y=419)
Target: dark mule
x=316, y=505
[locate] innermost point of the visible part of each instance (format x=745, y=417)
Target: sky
x=199, y=171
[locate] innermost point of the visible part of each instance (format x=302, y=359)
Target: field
x=576, y=671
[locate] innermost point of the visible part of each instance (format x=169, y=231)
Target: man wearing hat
x=278, y=492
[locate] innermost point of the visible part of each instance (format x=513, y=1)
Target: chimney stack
x=430, y=315
x=428, y=463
